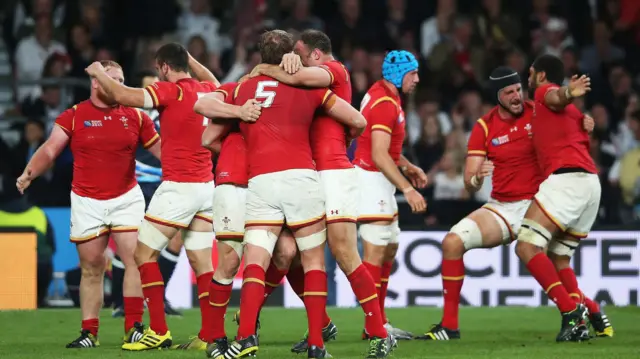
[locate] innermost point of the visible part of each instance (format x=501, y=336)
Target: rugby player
x=105, y=197
x=338, y=179
x=184, y=199
x=500, y=145
x=567, y=202
x=283, y=185
x=378, y=155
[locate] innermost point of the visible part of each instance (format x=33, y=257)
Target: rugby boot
x=329, y=333
x=240, y=348
x=85, y=340
x=317, y=352
x=134, y=334
x=150, y=340
x=194, y=343
x=438, y=332
x=601, y=324
x=381, y=347
x=217, y=348
x=571, y=321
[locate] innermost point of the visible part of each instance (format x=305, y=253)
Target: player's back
x=279, y=140
x=231, y=167
x=382, y=109
x=328, y=138
x=508, y=144
x=558, y=136
x=183, y=158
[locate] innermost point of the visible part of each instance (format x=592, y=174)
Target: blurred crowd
x=458, y=42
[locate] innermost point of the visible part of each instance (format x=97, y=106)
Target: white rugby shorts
x=571, y=201
x=91, y=218
x=229, y=208
x=340, y=194
x=293, y=195
x=176, y=204
x=377, y=201
x=509, y=215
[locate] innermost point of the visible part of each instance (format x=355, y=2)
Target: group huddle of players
x=284, y=186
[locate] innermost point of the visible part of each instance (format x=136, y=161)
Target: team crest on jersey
x=528, y=128
x=500, y=140
x=124, y=121
x=93, y=123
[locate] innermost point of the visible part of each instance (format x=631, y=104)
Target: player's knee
x=391, y=251
x=93, y=265
x=151, y=237
x=261, y=238
x=561, y=251
x=311, y=241
x=377, y=235
x=532, y=238
x=284, y=253
x=466, y=232
x=228, y=259
x=452, y=246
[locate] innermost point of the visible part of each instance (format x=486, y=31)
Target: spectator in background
x=601, y=52
x=498, y=31
x=556, y=38
x=537, y=22
x=349, y=28
x=197, y=47
x=197, y=21
x=625, y=140
x=626, y=175
x=436, y=27
x=428, y=105
x=90, y=16
x=32, y=52
x=396, y=21
x=429, y=149
x=376, y=58
x=20, y=19
x=301, y=18
x=620, y=84
x=82, y=53
x=607, y=150
x=517, y=60
x=570, y=60
x=46, y=108
x=448, y=182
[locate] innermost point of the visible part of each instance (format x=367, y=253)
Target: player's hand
x=24, y=181
x=93, y=69
x=415, y=200
x=579, y=86
x=291, y=63
x=416, y=175
x=250, y=111
x=486, y=169
x=257, y=71
x=588, y=123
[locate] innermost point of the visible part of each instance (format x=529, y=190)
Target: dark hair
x=316, y=39
x=552, y=66
x=173, y=55
x=273, y=45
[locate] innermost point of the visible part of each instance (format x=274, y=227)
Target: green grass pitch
x=491, y=333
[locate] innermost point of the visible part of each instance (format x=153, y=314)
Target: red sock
x=544, y=272
x=272, y=279
x=153, y=291
x=376, y=272
x=91, y=325
x=251, y=297
x=315, y=302
x=206, y=311
x=365, y=290
x=385, y=273
x=592, y=306
x=133, y=310
x=452, y=279
x=219, y=297
x=568, y=278
x=295, y=276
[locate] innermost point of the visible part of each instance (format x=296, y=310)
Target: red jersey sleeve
x=383, y=115
x=337, y=72
x=66, y=119
x=321, y=96
x=162, y=93
x=227, y=91
x=209, y=86
x=477, y=145
x=541, y=92
x=148, y=134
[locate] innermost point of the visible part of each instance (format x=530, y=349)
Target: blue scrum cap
x=396, y=64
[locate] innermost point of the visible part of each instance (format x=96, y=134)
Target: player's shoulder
x=227, y=88
x=541, y=91
x=380, y=95
x=488, y=118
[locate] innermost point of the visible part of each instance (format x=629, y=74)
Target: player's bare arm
x=559, y=98
x=43, y=158
x=415, y=174
x=343, y=112
x=306, y=76
x=213, y=134
x=155, y=149
x=212, y=105
x=588, y=123
x=201, y=72
x=124, y=95
x=475, y=170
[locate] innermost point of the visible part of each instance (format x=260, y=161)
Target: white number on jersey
x=205, y=120
x=266, y=96
x=364, y=102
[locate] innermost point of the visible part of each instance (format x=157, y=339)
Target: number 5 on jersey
x=262, y=92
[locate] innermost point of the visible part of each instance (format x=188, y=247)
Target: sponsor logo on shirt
x=500, y=140
x=93, y=123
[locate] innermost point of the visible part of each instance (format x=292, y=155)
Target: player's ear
x=94, y=83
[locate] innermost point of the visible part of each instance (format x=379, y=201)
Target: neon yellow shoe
x=150, y=340
x=194, y=343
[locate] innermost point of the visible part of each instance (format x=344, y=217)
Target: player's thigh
x=92, y=252
x=302, y=200
x=340, y=189
x=174, y=205
x=229, y=209
x=87, y=219
x=263, y=207
x=375, y=195
x=203, y=219
x=582, y=225
x=126, y=212
x=499, y=222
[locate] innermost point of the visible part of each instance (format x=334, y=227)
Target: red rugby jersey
x=103, y=142
x=279, y=140
x=383, y=110
x=559, y=138
x=232, y=167
x=508, y=144
x=183, y=158
x=328, y=137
